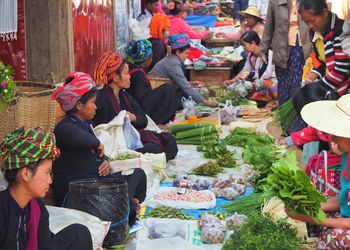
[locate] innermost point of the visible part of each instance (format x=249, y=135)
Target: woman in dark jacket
x=160, y=103
x=82, y=154
x=113, y=72
x=24, y=219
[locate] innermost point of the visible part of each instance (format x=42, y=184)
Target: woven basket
x=8, y=119
x=35, y=107
x=157, y=81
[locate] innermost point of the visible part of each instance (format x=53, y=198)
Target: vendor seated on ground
x=161, y=103
x=112, y=72
x=262, y=75
x=159, y=31
x=24, y=219
x=171, y=67
x=179, y=25
x=253, y=22
x=150, y=10
x=82, y=154
x=337, y=123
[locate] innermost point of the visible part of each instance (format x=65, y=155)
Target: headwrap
x=106, y=68
x=69, y=94
x=24, y=147
x=179, y=41
x=139, y=51
x=159, y=23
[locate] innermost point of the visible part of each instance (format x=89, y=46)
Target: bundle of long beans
x=285, y=115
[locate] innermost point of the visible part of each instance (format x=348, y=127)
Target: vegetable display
x=289, y=183
x=226, y=188
x=261, y=233
x=285, y=115
x=183, y=127
x=212, y=149
x=126, y=156
x=168, y=212
x=196, y=132
x=212, y=230
x=208, y=169
x=189, y=196
x=245, y=205
x=227, y=160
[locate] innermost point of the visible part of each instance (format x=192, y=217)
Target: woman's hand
x=132, y=117
x=101, y=150
x=311, y=78
x=282, y=142
x=197, y=84
x=210, y=103
x=300, y=217
x=335, y=149
x=104, y=169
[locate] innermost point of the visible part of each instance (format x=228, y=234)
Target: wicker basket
x=8, y=119
x=35, y=107
x=157, y=81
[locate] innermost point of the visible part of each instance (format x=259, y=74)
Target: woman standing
x=160, y=103
x=288, y=35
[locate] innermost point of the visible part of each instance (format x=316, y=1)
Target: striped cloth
x=337, y=63
x=25, y=147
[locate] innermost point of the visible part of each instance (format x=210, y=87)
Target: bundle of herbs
x=245, y=205
x=289, y=183
x=212, y=149
x=208, y=169
x=240, y=136
x=168, y=212
x=285, y=115
x=261, y=233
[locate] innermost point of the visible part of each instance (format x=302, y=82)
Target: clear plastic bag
x=228, y=113
x=235, y=220
x=193, y=182
x=213, y=233
x=131, y=135
x=166, y=229
x=189, y=106
x=207, y=219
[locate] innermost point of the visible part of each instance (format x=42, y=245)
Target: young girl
x=24, y=219
x=337, y=123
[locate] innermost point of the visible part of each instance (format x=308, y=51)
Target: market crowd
x=296, y=50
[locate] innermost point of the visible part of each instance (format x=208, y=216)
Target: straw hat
x=332, y=117
x=253, y=11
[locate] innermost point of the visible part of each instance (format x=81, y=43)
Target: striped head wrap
x=139, y=51
x=106, y=67
x=159, y=23
x=76, y=85
x=25, y=147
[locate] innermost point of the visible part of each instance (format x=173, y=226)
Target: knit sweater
x=336, y=61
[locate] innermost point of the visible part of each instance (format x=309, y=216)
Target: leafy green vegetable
x=208, y=169
x=212, y=149
x=227, y=160
x=262, y=233
x=285, y=115
x=245, y=205
x=289, y=183
x=241, y=136
x=125, y=156
x=168, y=212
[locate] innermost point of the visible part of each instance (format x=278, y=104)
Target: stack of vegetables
x=285, y=115
x=195, y=133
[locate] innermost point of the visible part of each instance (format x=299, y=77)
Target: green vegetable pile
x=245, y=205
x=227, y=160
x=208, y=169
x=212, y=149
x=168, y=212
x=261, y=233
x=289, y=183
x=240, y=137
x=194, y=133
x=285, y=115
x=126, y=156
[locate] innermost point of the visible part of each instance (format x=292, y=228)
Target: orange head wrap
x=159, y=23
x=107, y=67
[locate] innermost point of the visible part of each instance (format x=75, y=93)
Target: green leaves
x=288, y=182
x=212, y=149
x=7, y=85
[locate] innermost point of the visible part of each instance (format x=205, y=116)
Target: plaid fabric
x=25, y=147
x=106, y=68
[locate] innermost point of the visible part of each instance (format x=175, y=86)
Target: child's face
x=343, y=143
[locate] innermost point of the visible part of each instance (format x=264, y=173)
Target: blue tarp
x=196, y=213
x=199, y=20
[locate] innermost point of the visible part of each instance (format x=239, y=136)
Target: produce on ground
x=240, y=136
x=125, y=156
x=198, y=140
x=189, y=196
x=212, y=149
x=245, y=205
x=226, y=188
x=212, y=230
x=219, y=215
x=235, y=221
x=168, y=212
x=227, y=159
x=196, y=132
x=289, y=183
x=261, y=233
x=192, y=182
x=285, y=115
x=208, y=169
x=184, y=127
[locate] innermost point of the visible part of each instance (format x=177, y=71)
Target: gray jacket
x=171, y=67
x=276, y=33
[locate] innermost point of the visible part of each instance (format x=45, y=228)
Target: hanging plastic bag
x=131, y=135
x=228, y=113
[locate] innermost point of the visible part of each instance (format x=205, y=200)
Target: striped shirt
x=336, y=62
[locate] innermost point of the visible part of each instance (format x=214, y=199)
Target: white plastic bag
x=228, y=113
x=131, y=135
x=166, y=228
x=60, y=218
x=189, y=106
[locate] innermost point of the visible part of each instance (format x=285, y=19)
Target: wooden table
x=217, y=43
x=211, y=75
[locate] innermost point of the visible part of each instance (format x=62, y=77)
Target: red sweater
x=307, y=135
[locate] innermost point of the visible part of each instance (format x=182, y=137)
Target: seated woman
x=159, y=31
x=112, y=72
x=172, y=67
x=336, y=235
x=255, y=70
x=82, y=154
x=24, y=219
x=178, y=23
x=161, y=103
x=253, y=22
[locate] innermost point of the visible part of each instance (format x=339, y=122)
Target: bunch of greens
x=289, y=183
x=168, y=212
x=261, y=233
x=241, y=136
x=245, y=205
x=208, y=169
x=227, y=160
x=285, y=115
x=126, y=156
x=219, y=215
x=212, y=149
x=7, y=85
